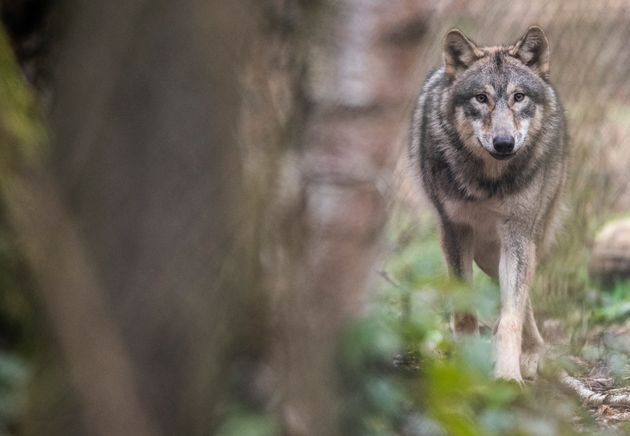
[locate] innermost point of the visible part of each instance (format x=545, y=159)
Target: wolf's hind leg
x=533, y=345
x=464, y=322
x=457, y=245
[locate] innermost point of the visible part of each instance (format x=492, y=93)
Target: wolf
x=489, y=142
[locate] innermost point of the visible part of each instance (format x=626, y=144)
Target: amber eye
x=519, y=96
x=481, y=98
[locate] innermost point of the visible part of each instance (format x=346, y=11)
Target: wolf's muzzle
x=503, y=147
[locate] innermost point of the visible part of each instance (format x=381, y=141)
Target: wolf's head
x=498, y=94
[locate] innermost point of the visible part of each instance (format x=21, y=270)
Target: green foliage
x=409, y=374
x=241, y=422
x=22, y=132
x=613, y=305
x=377, y=401
x=13, y=377
x=22, y=139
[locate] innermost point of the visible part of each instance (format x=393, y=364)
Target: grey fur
x=504, y=214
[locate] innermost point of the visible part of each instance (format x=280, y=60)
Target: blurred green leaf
x=243, y=423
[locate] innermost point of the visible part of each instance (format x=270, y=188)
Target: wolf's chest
x=482, y=216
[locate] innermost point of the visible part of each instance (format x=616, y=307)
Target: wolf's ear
x=459, y=53
x=533, y=50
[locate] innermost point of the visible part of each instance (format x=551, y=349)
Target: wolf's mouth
x=502, y=156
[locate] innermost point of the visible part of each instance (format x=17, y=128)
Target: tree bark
x=143, y=230
x=132, y=223
x=355, y=78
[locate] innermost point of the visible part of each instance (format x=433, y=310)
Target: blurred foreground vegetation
x=405, y=372
x=408, y=373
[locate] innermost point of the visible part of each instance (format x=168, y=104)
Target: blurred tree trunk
x=144, y=241
x=131, y=225
x=348, y=73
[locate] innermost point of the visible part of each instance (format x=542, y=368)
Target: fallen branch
x=592, y=398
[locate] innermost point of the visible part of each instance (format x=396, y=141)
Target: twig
x=385, y=275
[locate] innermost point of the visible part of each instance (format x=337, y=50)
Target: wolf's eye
x=519, y=96
x=481, y=98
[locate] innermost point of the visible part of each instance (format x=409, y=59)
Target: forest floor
x=601, y=370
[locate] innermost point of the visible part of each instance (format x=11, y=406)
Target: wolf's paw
x=464, y=324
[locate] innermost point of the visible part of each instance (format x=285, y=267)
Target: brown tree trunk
x=131, y=224
x=144, y=242
x=355, y=78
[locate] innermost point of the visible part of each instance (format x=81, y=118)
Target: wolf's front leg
x=457, y=244
x=516, y=271
x=533, y=345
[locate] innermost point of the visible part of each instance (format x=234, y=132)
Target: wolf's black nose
x=503, y=144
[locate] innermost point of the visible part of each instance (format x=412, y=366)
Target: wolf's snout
x=503, y=144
